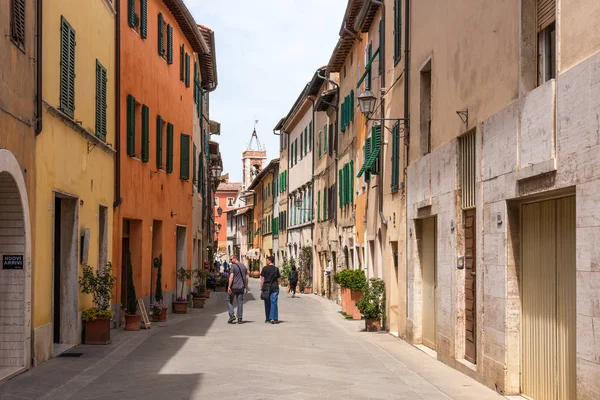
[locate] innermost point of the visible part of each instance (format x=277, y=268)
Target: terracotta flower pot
x=353, y=297
x=372, y=325
x=207, y=294
x=180, y=307
x=256, y=274
x=345, y=299
x=199, y=302
x=307, y=289
x=163, y=314
x=132, y=322
x=97, y=331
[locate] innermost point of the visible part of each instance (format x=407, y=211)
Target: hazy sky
x=267, y=50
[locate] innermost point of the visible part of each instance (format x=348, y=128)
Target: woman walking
x=269, y=285
x=293, y=279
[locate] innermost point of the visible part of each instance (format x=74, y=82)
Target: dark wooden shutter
x=366, y=154
x=319, y=205
x=100, y=101
x=169, y=44
x=187, y=70
x=332, y=138
x=18, y=22
x=161, y=39
x=195, y=165
x=182, y=63
x=184, y=157
x=159, y=136
x=131, y=13
x=380, y=46
x=397, y=31
x=301, y=145
x=144, y=18
x=368, y=81
x=67, y=68
x=310, y=135
x=130, y=125
x=169, y=148
x=145, y=133
x=341, y=187
x=326, y=139
x=351, y=99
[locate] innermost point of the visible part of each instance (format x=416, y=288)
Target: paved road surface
x=312, y=354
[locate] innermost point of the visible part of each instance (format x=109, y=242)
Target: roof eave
x=187, y=24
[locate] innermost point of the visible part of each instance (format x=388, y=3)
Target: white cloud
x=267, y=50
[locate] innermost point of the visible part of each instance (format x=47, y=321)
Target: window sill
x=71, y=123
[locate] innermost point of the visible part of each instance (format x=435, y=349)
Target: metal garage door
x=548, y=299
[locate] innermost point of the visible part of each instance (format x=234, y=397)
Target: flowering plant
x=182, y=299
x=156, y=307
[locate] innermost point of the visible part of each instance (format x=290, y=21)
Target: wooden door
x=470, y=288
x=429, y=273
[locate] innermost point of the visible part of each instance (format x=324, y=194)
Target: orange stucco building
x=155, y=167
x=225, y=200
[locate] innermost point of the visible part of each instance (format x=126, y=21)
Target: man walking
x=238, y=283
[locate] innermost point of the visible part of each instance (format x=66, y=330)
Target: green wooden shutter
x=159, y=148
x=368, y=81
x=130, y=125
x=376, y=146
x=319, y=144
x=161, y=39
x=100, y=101
x=351, y=99
x=67, y=68
x=144, y=18
x=395, y=157
x=182, y=63
x=397, y=31
x=169, y=148
x=145, y=133
x=341, y=188
x=195, y=165
x=326, y=215
x=319, y=205
x=184, y=157
x=301, y=145
x=366, y=154
x=351, y=181
x=187, y=70
x=169, y=44
x=380, y=46
x=131, y=13
x=325, y=139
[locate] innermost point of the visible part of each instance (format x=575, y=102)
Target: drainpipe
x=406, y=128
x=38, y=67
x=118, y=199
x=312, y=175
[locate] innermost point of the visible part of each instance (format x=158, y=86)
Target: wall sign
x=12, y=261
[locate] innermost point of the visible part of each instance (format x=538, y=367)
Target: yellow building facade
x=75, y=159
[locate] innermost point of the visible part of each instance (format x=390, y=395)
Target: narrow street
x=312, y=354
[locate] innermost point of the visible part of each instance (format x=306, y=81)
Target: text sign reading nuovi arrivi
x=12, y=262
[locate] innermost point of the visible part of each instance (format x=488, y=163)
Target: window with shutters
x=169, y=148
x=325, y=138
x=546, y=39
x=368, y=55
x=351, y=182
x=187, y=70
x=397, y=31
x=160, y=141
x=319, y=144
x=145, y=133
x=67, y=68
x=182, y=63
x=325, y=210
x=425, y=110
x=169, y=44
x=184, y=157
x=310, y=136
x=131, y=125
x=301, y=145
x=306, y=141
x=161, y=27
x=395, y=157
x=17, y=23
x=366, y=154
x=137, y=16
x=195, y=180
x=101, y=104
x=319, y=205
x=143, y=19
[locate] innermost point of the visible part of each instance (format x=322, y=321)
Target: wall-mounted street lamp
x=367, y=102
x=219, y=211
x=216, y=171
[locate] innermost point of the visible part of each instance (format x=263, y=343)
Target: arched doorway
x=15, y=275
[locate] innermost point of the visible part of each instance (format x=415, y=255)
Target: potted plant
x=198, y=296
x=221, y=285
x=97, y=319
x=372, y=305
x=306, y=258
x=158, y=296
x=181, y=303
x=286, y=267
x=353, y=283
x=156, y=311
x=255, y=269
x=132, y=318
x=201, y=276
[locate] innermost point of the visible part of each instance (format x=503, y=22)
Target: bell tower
x=253, y=160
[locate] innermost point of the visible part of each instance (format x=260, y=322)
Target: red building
x=225, y=200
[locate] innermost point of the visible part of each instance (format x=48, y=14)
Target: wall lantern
x=216, y=171
x=219, y=211
x=367, y=102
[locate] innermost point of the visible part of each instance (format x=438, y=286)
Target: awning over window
x=243, y=210
x=374, y=153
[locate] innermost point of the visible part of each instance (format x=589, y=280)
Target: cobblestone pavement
x=312, y=354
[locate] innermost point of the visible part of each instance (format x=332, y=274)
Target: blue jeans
x=274, y=312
